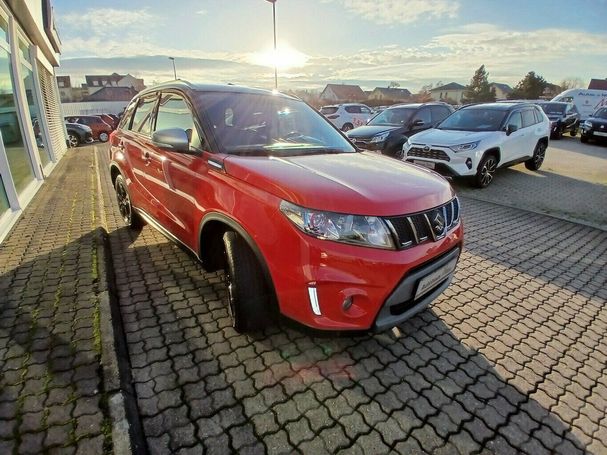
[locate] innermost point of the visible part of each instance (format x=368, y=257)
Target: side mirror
x=418, y=122
x=173, y=139
x=511, y=129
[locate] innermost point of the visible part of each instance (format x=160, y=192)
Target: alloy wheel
x=539, y=155
x=72, y=140
x=488, y=170
x=124, y=202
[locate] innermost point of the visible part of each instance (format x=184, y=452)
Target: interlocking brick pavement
x=51, y=389
x=512, y=358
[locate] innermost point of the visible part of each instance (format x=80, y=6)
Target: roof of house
x=112, y=94
x=598, y=84
x=393, y=93
x=346, y=92
x=66, y=81
x=114, y=77
x=450, y=86
x=503, y=87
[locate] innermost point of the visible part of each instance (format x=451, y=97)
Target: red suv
x=263, y=186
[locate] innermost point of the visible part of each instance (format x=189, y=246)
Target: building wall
x=32, y=132
x=94, y=107
x=455, y=95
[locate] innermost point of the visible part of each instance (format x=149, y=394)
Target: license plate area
x=426, y=164
x=599, y=133
x=430, y=281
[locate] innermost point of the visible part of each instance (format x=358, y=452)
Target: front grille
x=434, y=154
x=431, y=225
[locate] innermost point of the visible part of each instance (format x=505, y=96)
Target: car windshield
x=601, y=113
x=256, y=124
x=553, y=108
x=474, y=119
x=393, y=117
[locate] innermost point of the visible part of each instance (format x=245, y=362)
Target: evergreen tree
x=530, y=87
x=479, y=91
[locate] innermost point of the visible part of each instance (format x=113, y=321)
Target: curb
x=127, y=432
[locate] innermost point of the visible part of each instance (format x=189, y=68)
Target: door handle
x=146, y=157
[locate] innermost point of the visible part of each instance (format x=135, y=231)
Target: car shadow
x=449, y=380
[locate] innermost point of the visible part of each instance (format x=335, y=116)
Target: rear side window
x=142, y=119
x=353, y=109
x=174, y=112
x=528, y=118
x=365, y=110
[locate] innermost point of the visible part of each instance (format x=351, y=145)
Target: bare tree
x=571, y=82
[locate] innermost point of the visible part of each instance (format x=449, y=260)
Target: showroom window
x=4, y=205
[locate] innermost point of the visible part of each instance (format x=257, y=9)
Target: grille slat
x=434, y=154
x=418, y=228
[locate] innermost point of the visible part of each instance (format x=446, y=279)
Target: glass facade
x=34, y=115
x=16, y=152
x=4, y=205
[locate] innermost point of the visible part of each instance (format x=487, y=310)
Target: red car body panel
x=179, y=190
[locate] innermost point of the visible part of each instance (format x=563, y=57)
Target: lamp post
x=174, y=70
x=273, y=2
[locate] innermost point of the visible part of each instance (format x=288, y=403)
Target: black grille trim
x=411, y=230
x=434, y=154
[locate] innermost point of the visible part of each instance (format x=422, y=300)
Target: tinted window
x=353, y=109
x=424, y=115
x=516, y=120
x=397, y=116
x=474, y=119
x=528, y=118
x=142, y=120
x=601, y=113
x=553, y=108
x=365, y=110
x=173, y=112
x=328, y=110
x=439, y=113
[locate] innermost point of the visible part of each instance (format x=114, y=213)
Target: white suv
x=347, y=116
x=477, y=139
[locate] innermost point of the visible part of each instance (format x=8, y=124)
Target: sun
x=284, y=57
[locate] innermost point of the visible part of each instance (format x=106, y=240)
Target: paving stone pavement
x=512, y=358
x=51, y=389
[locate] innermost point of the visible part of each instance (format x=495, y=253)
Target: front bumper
x=594, y=133
x=443, y=160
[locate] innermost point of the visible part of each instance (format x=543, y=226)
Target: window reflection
x=4, y=206
x=12, y=137
x=34, y=115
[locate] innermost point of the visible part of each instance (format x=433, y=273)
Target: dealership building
x=31, y=127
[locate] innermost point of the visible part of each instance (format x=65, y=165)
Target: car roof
x=189, y=87
x=498, y=106
x=416, y=105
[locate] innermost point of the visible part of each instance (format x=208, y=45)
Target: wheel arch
x=495, y=151
x=211, y=230
x=115, y=171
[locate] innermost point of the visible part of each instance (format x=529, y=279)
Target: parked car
x=263, y=186
x=78, y=134
x=347, y=116
x=587, y=101
x=596, y=126
x=388, y=131
x=101, y=130
x=564, y=117
x=477, y=139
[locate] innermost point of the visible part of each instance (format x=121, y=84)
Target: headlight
x=588, y=124
x=339, y=227
x=406, y=145
x=380, y=137
x=464, y=147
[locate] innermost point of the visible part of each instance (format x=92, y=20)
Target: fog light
x=314, y=301
x=347, y=303
x=469, y=163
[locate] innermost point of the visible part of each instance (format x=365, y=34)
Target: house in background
x=390, y=94
x=597, y=84
x=33, y=137
x=112, y=94
x=342, y=92
x=449, y=93
x=501, y=90
x=96, y=82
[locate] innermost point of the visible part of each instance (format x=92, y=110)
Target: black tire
x=347, y=127
x=485, y=171
x=248, y=302
x=573, y=132
x=558, y=134
x=72, y=139
x=535, y=162
x=103, y=137
x=130, y=218
x=583, y=139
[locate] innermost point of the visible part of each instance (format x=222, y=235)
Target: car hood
x=449, y=137
x=597, y=121
x=354, y=183
x=370, y=130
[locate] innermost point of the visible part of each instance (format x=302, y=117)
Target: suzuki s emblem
x=438, y=223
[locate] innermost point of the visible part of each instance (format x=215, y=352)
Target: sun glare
x=284, y=57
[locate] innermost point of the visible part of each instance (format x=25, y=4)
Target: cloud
x=104, y=20
x=389, y=12
x=202, y=12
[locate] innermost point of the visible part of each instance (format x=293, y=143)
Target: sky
x=366, y=42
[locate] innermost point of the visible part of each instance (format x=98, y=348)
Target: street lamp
x=174, y=70
x=273, y=2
